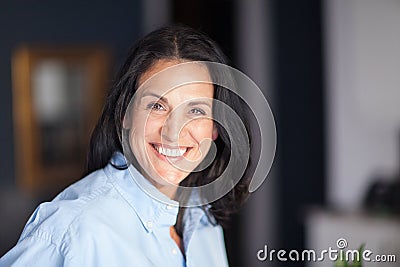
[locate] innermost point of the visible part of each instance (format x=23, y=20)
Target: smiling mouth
x=170, y=152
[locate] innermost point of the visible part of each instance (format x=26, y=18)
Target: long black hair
x=176, y=42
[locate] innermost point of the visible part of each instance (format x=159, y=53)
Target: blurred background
x=330, y=70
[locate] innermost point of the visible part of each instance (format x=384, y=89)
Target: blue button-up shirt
x=107, y=219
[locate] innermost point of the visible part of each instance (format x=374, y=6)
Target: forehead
x=169, y=68
x=169, y=77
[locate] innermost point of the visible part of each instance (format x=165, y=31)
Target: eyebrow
x=194, y=103
x=155, y=95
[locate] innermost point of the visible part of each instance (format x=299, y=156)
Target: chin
x=172, y=177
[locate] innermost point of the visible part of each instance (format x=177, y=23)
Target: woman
x=160, y=139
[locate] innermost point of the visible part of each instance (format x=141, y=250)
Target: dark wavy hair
x=176, y=42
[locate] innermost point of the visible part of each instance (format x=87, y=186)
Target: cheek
x=152, y=127
x=201, y=129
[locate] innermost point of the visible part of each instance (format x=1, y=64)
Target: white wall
x=362, y=40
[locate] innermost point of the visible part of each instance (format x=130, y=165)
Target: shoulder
x=53, y=220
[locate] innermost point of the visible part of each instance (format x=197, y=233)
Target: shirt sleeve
x=33, y=251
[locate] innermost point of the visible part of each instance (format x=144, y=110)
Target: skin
x=178, y=119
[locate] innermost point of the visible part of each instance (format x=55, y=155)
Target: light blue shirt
x=106, y=219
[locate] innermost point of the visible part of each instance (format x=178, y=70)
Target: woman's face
x=171, y=130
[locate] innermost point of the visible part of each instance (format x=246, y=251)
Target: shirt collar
x=152, y=207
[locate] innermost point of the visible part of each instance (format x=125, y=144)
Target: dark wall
x=114, y=24
x=215, y=18
x=298, y=68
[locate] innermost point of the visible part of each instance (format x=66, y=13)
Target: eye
x=155, y=106
x=197, y=111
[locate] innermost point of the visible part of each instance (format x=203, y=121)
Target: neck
x=169, y=191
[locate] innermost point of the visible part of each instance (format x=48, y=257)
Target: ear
x=214, y=133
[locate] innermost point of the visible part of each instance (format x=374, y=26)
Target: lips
x=170, y=152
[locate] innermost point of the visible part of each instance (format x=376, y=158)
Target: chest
x=116, y=246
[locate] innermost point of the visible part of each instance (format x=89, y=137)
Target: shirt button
x=170, y=207
x=174, y=251
x=149, y=224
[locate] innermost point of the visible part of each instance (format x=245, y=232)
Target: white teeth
x=174, y=152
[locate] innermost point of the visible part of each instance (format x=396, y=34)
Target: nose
x=173, y=127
